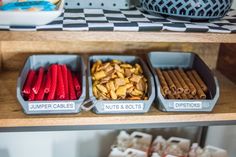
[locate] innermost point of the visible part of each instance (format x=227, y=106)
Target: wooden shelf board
x=118, y=36
x=11, y=114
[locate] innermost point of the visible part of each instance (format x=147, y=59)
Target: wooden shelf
x=118, y=36
x=11, y=114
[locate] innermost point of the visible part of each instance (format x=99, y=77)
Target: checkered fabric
x=128, y=20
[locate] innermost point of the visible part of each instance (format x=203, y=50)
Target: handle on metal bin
x=217, y=95
x=88, y=108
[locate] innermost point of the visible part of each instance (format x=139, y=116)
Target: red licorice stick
x=65, y=80
x=60, y=85
x=38, y=82
x=52, y=92
x=76, y=83
x=31, y=96
x=41, y=92
x=79, y=93
x=71, y=86
x=48, y=81
x=28, y=83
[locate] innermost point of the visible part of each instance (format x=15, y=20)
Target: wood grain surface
x=14, y=53
x=11, y=114
x=118, y=36
x=227, y=61
x=0, y=56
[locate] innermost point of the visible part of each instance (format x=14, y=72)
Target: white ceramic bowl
x=28, y=18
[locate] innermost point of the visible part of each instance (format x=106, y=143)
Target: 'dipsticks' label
x=123, y=107
x=187, y=105
x=51, y=106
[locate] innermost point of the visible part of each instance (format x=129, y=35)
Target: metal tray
x=184, y=60
x=75, y=62
x=122, y=106
x=100, y=4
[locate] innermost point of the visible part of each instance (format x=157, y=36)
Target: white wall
x=223, y=137
x=234, y=4
x=72, y=143
x=56, y=144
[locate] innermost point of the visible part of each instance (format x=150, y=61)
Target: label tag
x=111, y=107
x=187, y=105
x=51, y=106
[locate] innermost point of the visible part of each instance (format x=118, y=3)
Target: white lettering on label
x=122, y=107
x=187, y=105
x=51, y=106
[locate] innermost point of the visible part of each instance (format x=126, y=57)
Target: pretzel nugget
x=188, y=82
x=163, y=82
x=200, y=92
x=176, y=82
x=199, y=80
x=169, y=81
x=182, y=82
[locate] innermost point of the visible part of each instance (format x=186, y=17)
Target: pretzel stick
x=200, y=92
x=163, y=82
x=196, y=97
x=184, y=96
x=199, y=80
x=177, y=96
x=188, y=82
x=190, y=96
x=182, y=82
x=176, y=82
x=169, y=81
x=170, y=96
x=162, y=92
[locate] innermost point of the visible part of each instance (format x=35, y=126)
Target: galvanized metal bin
x=122, y=106
x=75, y=62
x=184, y=60
x=100, y=4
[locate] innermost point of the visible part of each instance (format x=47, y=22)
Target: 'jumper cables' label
x=187, y=105
x=123, y=107
x=51, y=106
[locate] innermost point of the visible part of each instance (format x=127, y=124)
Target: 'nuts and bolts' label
x=187, y=105
x=123, y=107
x=55, y=106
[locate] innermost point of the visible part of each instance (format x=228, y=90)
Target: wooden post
x=227, y=61
x=0, y=56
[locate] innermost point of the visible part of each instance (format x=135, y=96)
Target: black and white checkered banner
x=128, y=20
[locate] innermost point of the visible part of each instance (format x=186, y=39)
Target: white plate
x=27, y=18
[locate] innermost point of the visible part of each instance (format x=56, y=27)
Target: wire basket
x=191, y=9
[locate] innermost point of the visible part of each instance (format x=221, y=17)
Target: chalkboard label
x=187, y=105
x=51, y=106
x=123, y=107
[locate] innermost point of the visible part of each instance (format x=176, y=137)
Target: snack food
x=55, y=83
x=200, y=92
x=29, y=6
x=199, y=80
x=116, y=80
x=163, y=82
x=52, y=1
x=182, y=84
